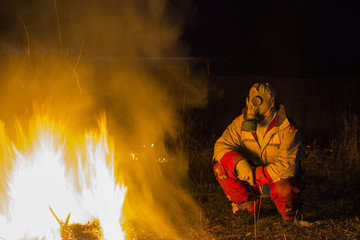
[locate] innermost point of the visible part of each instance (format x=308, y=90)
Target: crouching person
x=260, y=151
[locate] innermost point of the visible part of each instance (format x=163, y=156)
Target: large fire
x=43, y=187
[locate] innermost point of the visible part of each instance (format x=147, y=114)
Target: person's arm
x=286, y=164
x=229, y=141
x=227, y=151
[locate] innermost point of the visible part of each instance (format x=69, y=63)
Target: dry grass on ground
x=335, y=222
x=331, y=197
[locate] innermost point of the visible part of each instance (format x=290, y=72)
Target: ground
x=223, y=224
x=331, y=199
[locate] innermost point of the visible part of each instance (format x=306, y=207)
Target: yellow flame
x=40, y=178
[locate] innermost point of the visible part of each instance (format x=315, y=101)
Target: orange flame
x=40, y=177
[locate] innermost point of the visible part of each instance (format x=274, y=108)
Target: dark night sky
x=281, y=38
x=307, y=39
x=314, y=42
x=296, y=38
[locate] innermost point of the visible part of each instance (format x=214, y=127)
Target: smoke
x=79, y=58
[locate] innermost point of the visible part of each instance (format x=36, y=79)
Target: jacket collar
x=280, y=115
x=279, y=119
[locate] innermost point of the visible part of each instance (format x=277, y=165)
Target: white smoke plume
x=79, y=58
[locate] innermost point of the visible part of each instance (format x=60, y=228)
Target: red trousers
x=284, y=193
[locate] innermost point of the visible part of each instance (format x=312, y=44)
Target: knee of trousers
x=285, y=195
x=234, y=189
x=285, y=189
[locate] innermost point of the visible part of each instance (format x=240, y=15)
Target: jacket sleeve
x=229, y=140
x=287, y=163
x=262, y=176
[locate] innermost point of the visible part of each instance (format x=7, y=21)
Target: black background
x=309, y=50
x=287, y=38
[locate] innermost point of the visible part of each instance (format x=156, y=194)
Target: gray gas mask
x=259, y=103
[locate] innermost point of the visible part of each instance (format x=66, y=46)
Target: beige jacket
x=280, y=151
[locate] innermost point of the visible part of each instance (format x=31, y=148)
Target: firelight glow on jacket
x=280, y=151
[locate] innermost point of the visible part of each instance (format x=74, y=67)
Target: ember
x=91, y=230
x=76, y=231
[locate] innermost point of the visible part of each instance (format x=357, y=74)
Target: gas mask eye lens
x=256, y=101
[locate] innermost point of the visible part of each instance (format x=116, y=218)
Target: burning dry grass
x=40, y=177
x=76, y=85
x=90, y=231
x=76, y=231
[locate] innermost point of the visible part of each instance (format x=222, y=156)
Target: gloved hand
x=262, y=176
x=244, y=171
